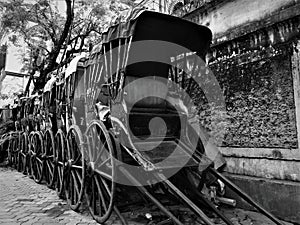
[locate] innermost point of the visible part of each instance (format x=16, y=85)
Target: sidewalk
x=22, y=201
x=25, y=202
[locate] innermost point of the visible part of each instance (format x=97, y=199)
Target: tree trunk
x=52, y=64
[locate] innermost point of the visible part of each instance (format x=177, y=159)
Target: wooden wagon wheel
x=100, y=179
x=75, y=171
x=23, y=153
x=49, y=146
x=59, y=159
x=37, y=161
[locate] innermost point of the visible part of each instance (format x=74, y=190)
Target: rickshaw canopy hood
x=149, y=25
x=156, y=37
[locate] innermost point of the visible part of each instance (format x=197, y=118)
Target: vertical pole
x=111, y=61
x=117, y=81
x=124, y=53
x=184, y=68
x=119, y=58
x=105, y=62
x=160, y=5
x=93, y=84
x=127, y=55
x=296, y=81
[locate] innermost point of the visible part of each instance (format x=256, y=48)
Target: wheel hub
x=69, y=163
x=90, y=168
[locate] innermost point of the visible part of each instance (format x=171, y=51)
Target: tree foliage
x=51, y=34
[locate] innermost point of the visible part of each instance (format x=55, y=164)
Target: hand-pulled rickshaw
x=114, y=95
x=122, y=119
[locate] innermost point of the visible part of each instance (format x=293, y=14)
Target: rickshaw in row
x=119, y=118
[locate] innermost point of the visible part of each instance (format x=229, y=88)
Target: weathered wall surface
x=256, y=58
x=229, y=19
x=259, y=98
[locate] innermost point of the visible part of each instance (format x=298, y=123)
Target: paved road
x=25, y=202
x=22, y=201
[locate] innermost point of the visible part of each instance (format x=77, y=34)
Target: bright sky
x=13, y=59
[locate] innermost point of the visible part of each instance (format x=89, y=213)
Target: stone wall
x=255, y=57
x=259, y=98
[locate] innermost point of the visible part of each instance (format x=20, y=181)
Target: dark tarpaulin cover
x=147, y=25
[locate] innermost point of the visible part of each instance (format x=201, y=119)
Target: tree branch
x=57, y=47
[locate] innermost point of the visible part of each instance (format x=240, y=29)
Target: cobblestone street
x=25, y=202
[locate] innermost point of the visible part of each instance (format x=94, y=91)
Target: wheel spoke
x=74, y=188
x=39, y=171
x=106, y=186
x=93, y=197
x=102, y=199
x=78, y=175
x=59, y=178
x=103, y=163
x=75, y=184
x=40, y=161
x=93, y=144
x=50, y=168
x=101, y=151
x=89, y=148
x=103, y=174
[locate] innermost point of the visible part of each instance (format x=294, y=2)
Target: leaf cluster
x=53, y=35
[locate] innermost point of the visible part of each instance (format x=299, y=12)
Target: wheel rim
x=22, y=152
x=14, y=152
x=49, y=162
x=10, y=150
x=29, y=154
x=37, y=162
x=13, y=149
x=25, y=151
x=75, y=174
x=59, y=156
x=100, y=186
x=18, y=149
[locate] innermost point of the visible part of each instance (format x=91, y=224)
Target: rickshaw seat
x=146, y=99
x=145, y=93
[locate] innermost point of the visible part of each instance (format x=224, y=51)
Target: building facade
x=255, y=56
